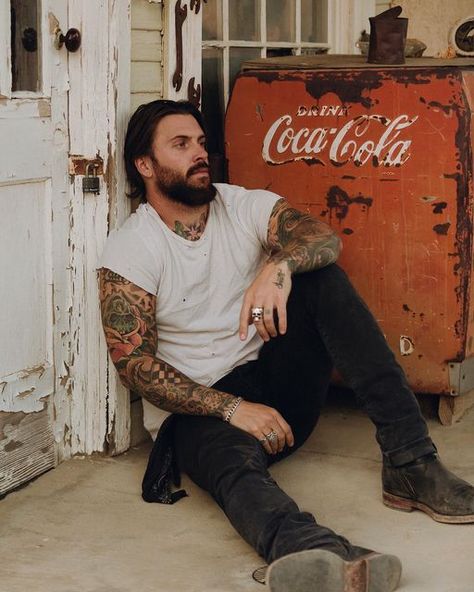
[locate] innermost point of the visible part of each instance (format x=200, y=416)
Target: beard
x=185, y=189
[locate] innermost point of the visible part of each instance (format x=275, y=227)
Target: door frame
x=99, y=104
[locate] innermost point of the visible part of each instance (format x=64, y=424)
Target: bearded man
x=224, y=308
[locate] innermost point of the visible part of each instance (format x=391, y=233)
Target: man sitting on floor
x=176, y=278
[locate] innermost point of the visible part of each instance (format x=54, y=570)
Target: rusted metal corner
x=461, y=377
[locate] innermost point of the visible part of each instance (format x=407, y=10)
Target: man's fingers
x=269, y=320
x=286, y=430
x=245, y=319
x=282, y=318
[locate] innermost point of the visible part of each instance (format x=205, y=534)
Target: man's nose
x=200, y=153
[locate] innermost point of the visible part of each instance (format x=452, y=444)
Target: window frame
x=6, y=81
x=226, y=44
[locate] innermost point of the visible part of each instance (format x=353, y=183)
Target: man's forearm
x=166, y=388
x=301, y=241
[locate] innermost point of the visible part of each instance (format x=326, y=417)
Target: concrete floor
x=84, y=528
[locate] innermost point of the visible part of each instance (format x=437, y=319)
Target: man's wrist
x=232, y=409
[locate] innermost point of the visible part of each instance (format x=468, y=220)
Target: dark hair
x=140, y=131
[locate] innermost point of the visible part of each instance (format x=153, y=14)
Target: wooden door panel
x=33, y=186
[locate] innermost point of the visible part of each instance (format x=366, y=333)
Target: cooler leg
x=451, y=409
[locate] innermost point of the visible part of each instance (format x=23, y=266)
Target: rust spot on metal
x=439, y=207
x=337, y=199
x=78, y=164
x=442, y=228
x=437, y=105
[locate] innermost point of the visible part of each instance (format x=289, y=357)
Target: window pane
x=314, y=18
x=237, y=55
x=244, y=20
x=213, y=98
x=25, y=44
x=280, y=20
x=212, y=20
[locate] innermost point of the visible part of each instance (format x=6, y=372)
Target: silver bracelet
x=231, y=411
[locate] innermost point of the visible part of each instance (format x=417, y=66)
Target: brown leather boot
x=317, y=569
x=388, y=35
x=428, y=486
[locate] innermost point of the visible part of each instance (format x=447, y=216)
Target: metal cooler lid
x=318, y=62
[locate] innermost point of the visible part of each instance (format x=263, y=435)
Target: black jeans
x=328, y=325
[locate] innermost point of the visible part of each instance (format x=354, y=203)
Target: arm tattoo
x=128, y=318
x=302, y=241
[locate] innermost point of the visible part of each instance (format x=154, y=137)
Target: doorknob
x=72, y=39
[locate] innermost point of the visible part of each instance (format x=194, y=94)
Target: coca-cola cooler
x=384, y=154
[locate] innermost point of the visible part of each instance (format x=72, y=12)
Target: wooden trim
x=99, y=110
x=5, y=50
x=118, y=410
x=192, y=41
x=346, y=20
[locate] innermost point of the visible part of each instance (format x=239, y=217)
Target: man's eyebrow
x=185, y=137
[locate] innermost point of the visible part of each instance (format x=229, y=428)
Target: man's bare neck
x=187, y=222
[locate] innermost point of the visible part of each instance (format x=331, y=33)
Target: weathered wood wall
x=147, y=52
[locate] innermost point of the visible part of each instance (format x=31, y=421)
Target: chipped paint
x=338, y=201
x=25, y=390
x=442, y=228
x=406, y=345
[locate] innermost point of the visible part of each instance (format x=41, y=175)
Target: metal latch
x=91, y=183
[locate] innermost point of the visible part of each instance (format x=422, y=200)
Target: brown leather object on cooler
x=388, y=34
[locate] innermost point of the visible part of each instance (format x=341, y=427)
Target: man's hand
x=259, y=421
x=270, y=291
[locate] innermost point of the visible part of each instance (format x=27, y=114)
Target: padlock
x=91, y=183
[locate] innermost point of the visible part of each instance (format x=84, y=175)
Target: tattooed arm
x=301, y=241
x=297, y=243
x=128, y=318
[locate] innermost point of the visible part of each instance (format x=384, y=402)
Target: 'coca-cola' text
x=364, y=139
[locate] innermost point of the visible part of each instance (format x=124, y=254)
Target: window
x=25, y=45
x=234, y=31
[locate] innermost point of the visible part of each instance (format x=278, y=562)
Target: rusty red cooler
x=384, y=154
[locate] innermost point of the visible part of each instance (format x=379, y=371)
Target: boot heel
x=397, y=503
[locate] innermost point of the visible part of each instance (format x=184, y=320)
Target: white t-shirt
x=199, y=285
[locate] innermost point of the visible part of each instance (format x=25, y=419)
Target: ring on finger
x=272, y=436
x=257, y=314
x=263, y=440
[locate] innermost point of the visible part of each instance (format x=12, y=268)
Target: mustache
x=198, y=167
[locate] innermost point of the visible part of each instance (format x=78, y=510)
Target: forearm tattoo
x=302, y=241
x=128, y=318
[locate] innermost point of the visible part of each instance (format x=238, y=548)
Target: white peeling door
x=34, y=234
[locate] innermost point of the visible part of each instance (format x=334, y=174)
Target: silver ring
x=271, y=436
x=257, y=314
x=263, y=440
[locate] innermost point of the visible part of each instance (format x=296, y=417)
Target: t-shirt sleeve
x=127, y=254
x=253, y=209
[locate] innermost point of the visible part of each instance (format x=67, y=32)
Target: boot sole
x=407, y=505
x=316, y=570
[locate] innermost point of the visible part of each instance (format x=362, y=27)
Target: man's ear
x=144, y=166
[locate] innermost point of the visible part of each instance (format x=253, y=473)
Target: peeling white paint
x=25, y=390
